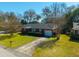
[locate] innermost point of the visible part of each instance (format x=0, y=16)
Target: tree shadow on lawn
x=47, y=44
x=5, y=37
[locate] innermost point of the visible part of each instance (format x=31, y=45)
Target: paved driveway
x=29, y=48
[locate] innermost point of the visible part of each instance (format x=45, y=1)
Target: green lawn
x=17, y=40
x=63, y=47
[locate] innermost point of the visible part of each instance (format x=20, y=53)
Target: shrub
x=74, y=36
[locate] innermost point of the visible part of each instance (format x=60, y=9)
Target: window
x=37, y=30
x=76, y=31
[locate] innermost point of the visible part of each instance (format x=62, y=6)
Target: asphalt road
x=5, y=53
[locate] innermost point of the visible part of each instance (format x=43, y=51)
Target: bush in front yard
x=74, y=37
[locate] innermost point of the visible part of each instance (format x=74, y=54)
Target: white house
x=75, y=27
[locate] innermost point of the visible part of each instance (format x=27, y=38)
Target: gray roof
x=41, y=26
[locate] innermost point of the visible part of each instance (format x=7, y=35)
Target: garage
x=47, y=33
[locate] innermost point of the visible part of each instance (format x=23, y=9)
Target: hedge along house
x=46, y=30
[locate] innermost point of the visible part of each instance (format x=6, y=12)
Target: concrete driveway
x=29, y=48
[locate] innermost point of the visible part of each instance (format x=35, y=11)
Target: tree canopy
x=57, y=13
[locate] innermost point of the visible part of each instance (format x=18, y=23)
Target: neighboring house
x=75, y=32
x=47, y=30
x=75, y=28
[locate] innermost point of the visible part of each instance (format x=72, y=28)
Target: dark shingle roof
x=41, y=26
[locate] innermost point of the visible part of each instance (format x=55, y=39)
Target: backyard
x=15, y=41
x=63, y=47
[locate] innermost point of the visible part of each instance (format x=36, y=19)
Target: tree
x=46, y=11
x=23, y=22
x=29, y=15
x=75, y=15
x=54, y=12
x=38, y=17
x=19, y=17
x=2, y=19
x=12, y=25
x=69, y=19
x=58, y=9
x=69, y=16
x=34, y=22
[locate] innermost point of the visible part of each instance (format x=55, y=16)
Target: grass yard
x=17, y=40
x=62, y=48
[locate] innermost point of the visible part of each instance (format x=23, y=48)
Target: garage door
x=48, y=33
